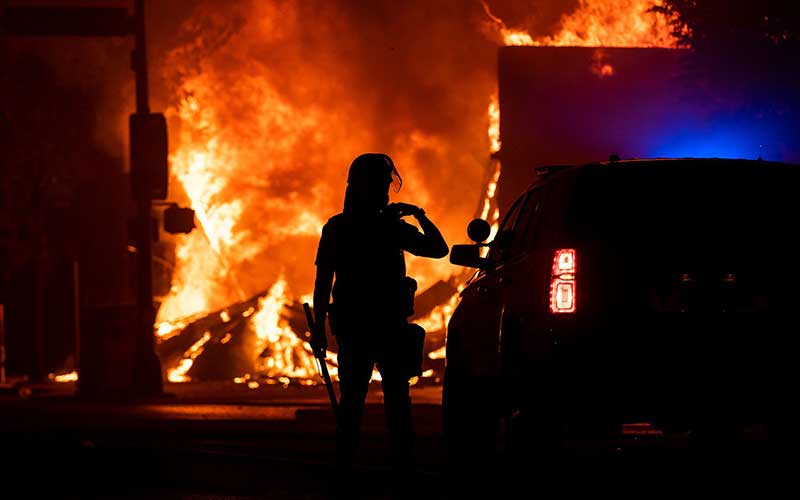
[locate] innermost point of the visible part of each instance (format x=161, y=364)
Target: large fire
x=599, y=23
x=261, y=157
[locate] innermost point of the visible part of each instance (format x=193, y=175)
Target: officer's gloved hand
x=405, y=209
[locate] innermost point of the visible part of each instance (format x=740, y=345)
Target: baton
x=319, y=356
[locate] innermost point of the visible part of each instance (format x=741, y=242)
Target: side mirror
x=478, y=230
x=468, y=256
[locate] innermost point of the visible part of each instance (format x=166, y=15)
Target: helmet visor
x=397, y=181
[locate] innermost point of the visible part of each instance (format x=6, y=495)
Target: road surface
x=227, y=442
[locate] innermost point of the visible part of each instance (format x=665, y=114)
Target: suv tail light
x=563, y=292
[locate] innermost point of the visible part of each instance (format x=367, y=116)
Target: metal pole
x=140, y=61
x=148, y=367
x=38, y=370
x=2, y=346
x=76, y=312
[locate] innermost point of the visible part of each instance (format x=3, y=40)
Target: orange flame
x=599, y=23
x=64, y=377
x=286, y=357
x=212, y=159
x=494, y=124
x=178, y=374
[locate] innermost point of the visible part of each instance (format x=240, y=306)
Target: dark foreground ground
x=207, y=441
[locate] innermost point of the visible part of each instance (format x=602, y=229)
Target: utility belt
x=413, y=335
x=405, y=342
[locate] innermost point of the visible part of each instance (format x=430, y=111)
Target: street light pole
x=140, y=60
x=147, y=368
x=148, y=155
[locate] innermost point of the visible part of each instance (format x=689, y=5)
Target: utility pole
x=147, y=377
x=148, y=153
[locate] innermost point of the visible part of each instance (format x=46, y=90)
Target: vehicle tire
x=470, y=420
x=714, y=437
x=534, y=437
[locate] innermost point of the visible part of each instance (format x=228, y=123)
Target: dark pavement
x=217, y=441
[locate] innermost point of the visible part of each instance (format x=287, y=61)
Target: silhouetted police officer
x=363, y=248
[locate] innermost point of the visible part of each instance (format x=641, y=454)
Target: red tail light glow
x=563, y=292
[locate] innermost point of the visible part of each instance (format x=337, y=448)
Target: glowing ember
x=491, y=191
x=166, y=329
x=600, y=66
x=440, y=353
x=439, y=317
x=494, y=124
x=63, y=378
x=178, y=374
x=490, y=201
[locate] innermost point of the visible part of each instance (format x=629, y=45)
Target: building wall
x=574, y=104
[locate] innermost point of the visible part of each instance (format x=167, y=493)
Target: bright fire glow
x=262, y=160
x=494, y=124
x=167, y=329
x=178, y=374
x=600, y=65
x=440, y=353
x=491, y=191
x=63, y=378
x=440, y=315
x=599, y=23
x=490, y=201
x=283, y=354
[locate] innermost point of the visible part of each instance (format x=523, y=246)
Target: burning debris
x=282, y=352
x=274, y=328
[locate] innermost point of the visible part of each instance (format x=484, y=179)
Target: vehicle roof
x=547, y=172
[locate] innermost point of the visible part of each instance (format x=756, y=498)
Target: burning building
x=268, y=102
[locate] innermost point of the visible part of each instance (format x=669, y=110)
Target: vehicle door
x=474, y=330
x=522, y=288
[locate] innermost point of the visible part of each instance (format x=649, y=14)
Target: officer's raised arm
x=432, y=244
x=428, y=243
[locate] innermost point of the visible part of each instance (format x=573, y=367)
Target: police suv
x=659, y=293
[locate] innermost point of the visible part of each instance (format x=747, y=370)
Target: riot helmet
x=369, y=179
